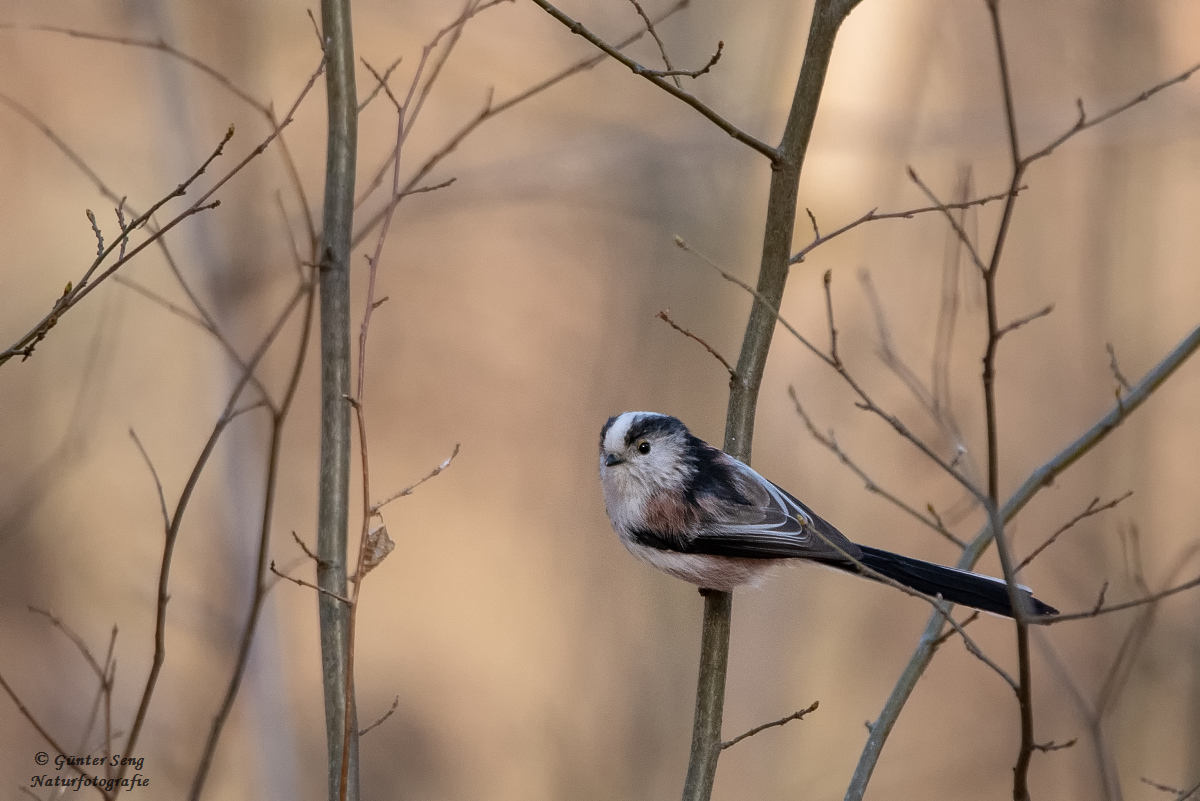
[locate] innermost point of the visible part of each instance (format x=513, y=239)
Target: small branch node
x=99, y=236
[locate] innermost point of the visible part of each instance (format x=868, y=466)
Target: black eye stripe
x=650, y=426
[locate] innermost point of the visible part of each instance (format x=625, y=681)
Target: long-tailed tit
x=702, y=516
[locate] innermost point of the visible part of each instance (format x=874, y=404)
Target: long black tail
x=957, y=586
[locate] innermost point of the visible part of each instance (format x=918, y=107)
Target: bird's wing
x=770, y=524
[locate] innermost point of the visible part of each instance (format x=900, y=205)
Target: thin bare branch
x=173, y=308
x=873, y=215
x=579, y=29
x=181, y=506
x=1020, y=321
x=662, y=315
x=410, y=489
x=304, y=547
x=33, y=721
x=950, y=632
x=80, y=645
x=1115, y=367
x=488, y=113
x=733, y=279
x=260, y=586
x=1082, y=123
x=794, y=716
x=827, y=280
x=303, y=583
x=1102, y=609
x=431, y=188
x=381, y=83
x=1180, y=795
x=662, y=49
x=1050, y=747
x=940, y=413
x=25, y=345
x=866, y=403
x=162, y=500
x=161, y=46
x=712, y=62
x=1093, y=508
x=386, y=715
x=830, y=442
x=955, y=224
x=1039, y=478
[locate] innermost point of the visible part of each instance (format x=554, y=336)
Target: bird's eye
x=643, y=447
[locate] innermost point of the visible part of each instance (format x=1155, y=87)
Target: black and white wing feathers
x=766, y=522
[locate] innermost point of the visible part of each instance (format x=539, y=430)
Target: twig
x=662, y=49
x=96, y=230
x=866, y=403
x=940, y=413
x=1082, y=123
x=374, y=509
x=1050, y=747
x=305, y=548
x=431, y=188
x=1092, y=509
x=1038, y=479
x=1101, y=609
x=303, y=583
x=1180, y=795
x=827, y=279
x=162, y=500
x=488, y=113
x=870, y=485
x=992, y=427
x=264, y=109
x=206, y=320
x=80, y=645
x=874, y=215
x=381, y=83
x=1122, y=383
x=712, y=61
x=978, y=653
x=386, y=715
x=662, y=315
x=955, y=224
x=733, y=279
x=173, y=308
x=33, y=721
x=940, y=605
x=260, y=586
x=181, y=506
x=971, y=618
x=580, y=30
x=794, y=716
x=1020, y=321
x=25, y=345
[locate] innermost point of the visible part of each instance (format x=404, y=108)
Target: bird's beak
x=612, y=459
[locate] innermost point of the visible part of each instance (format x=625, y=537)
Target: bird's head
x=641, y=453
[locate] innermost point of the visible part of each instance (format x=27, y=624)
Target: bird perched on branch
x=700, y=515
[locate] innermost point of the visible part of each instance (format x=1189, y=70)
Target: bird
x=700, y=515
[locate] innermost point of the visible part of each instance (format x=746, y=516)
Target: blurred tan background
x=533, y=658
